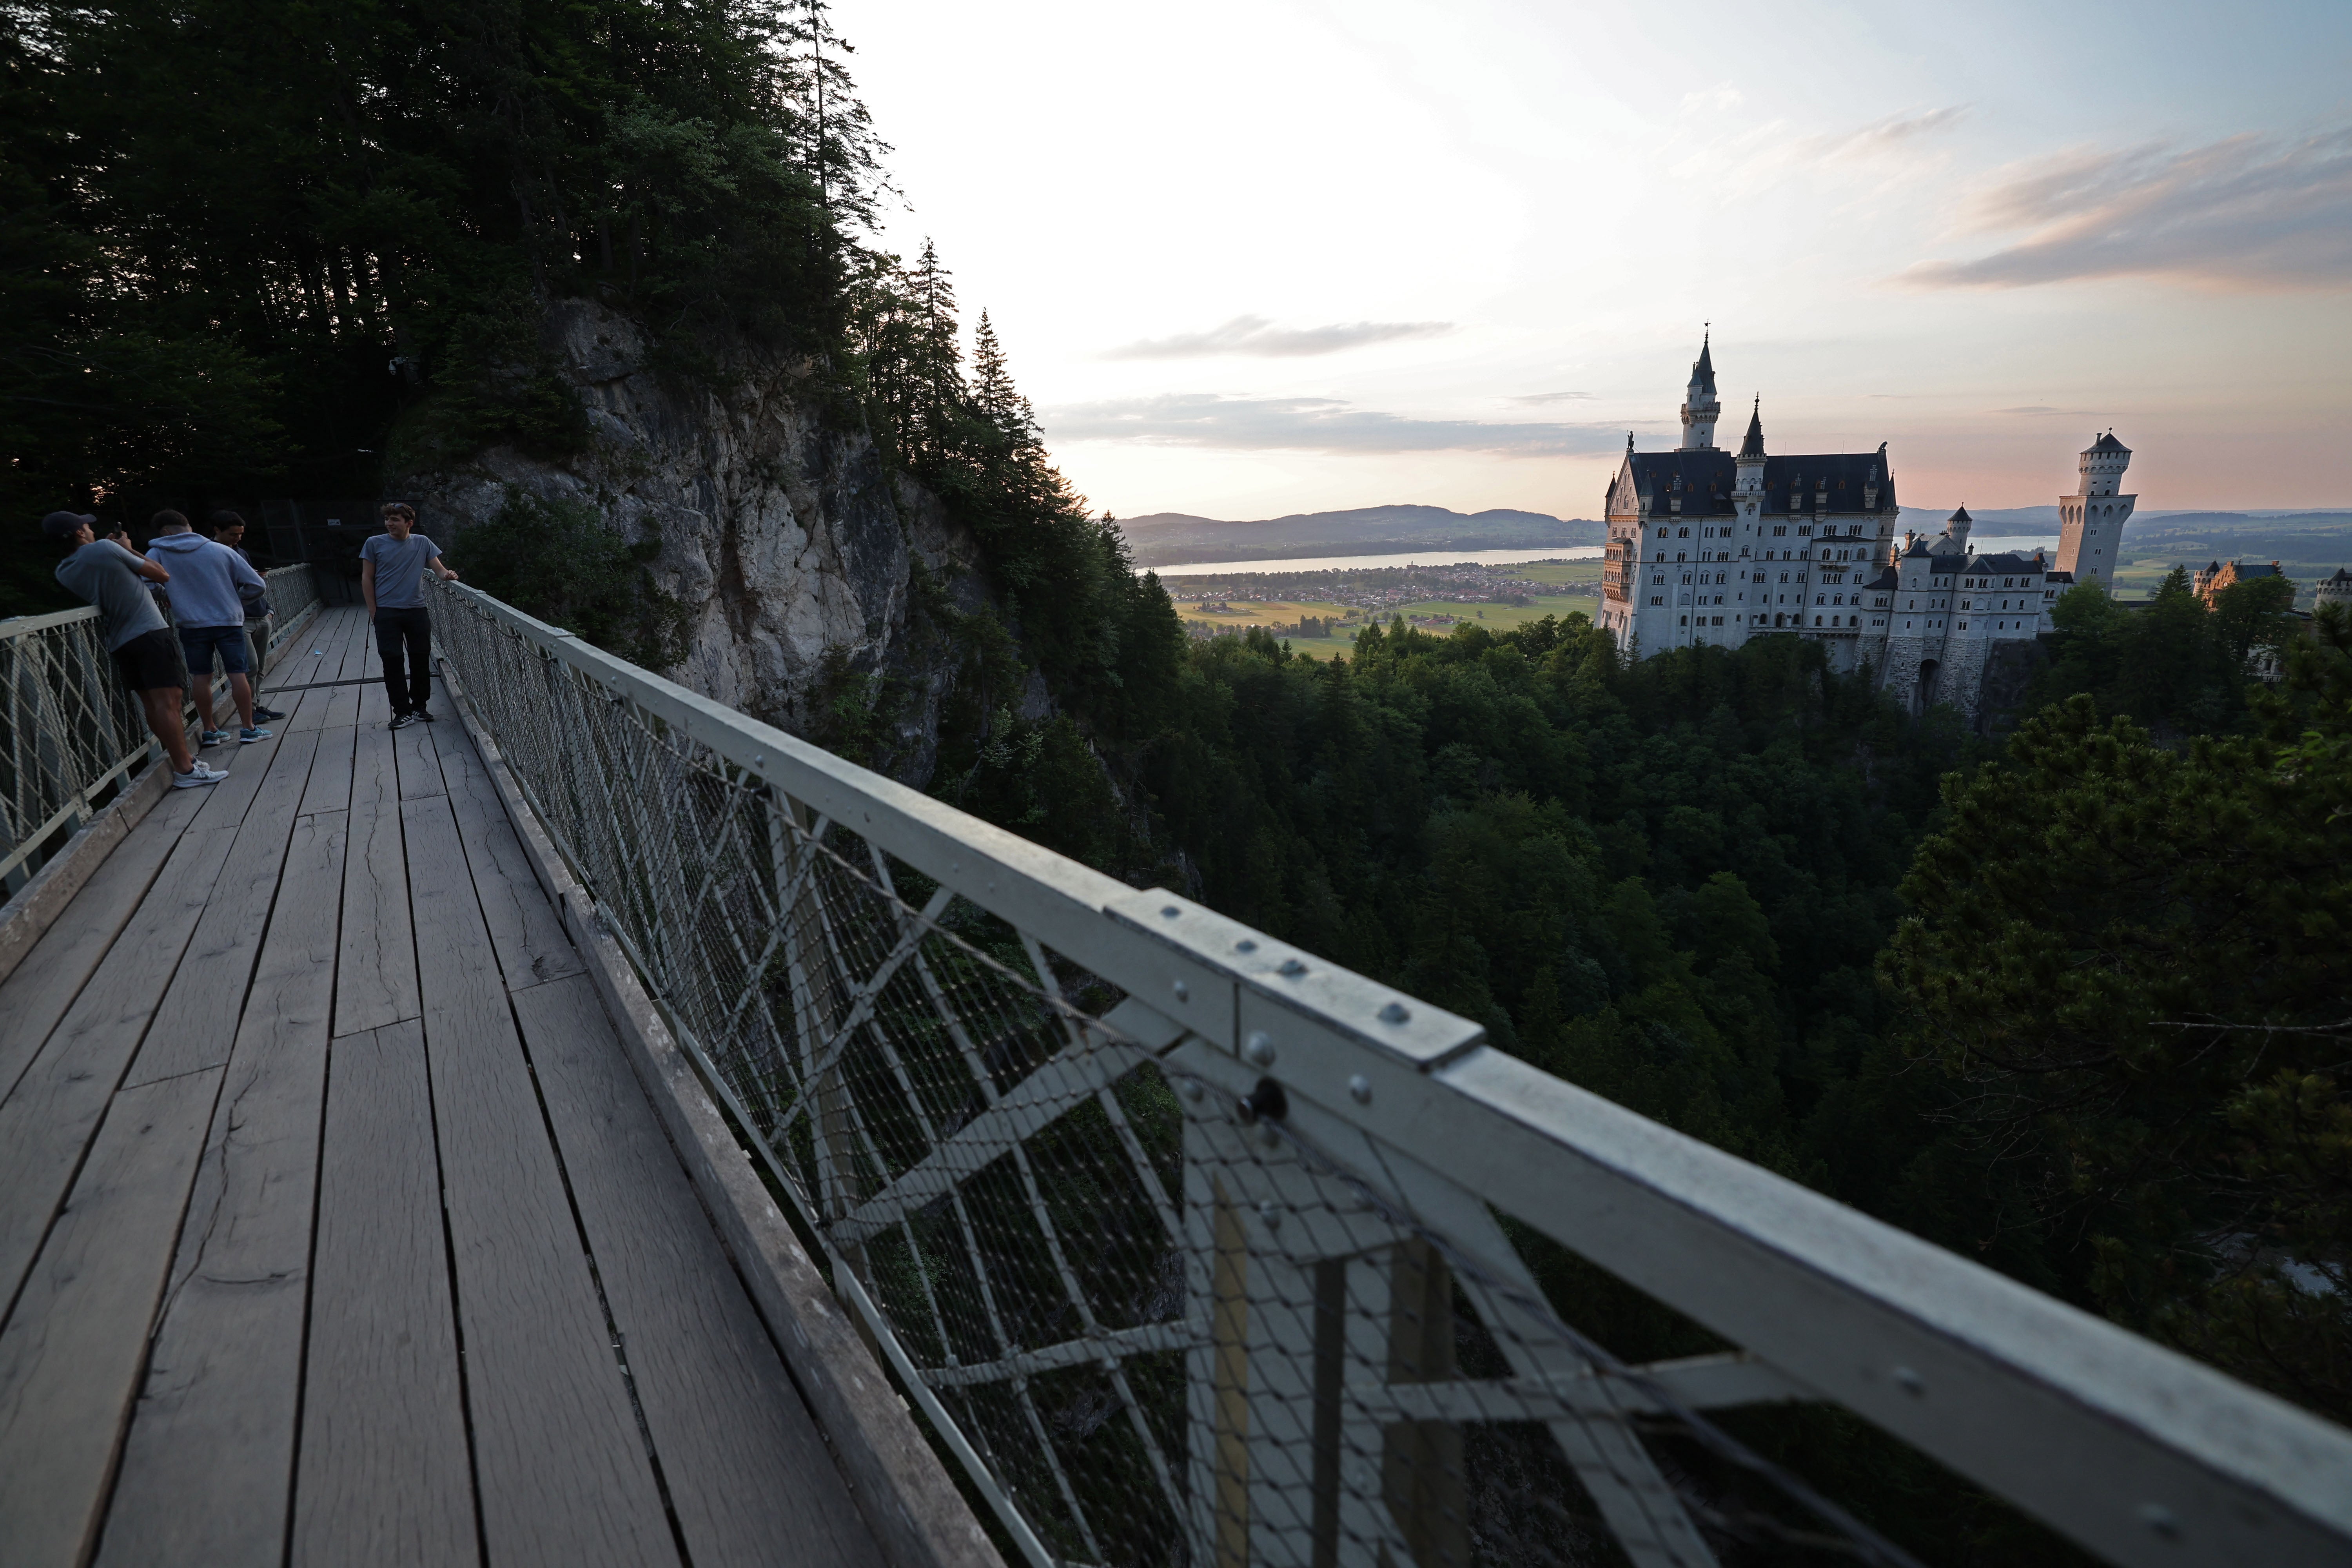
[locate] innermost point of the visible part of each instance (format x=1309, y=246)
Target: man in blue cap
x=115, y=581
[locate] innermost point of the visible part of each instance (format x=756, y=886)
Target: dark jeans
x=409, y=631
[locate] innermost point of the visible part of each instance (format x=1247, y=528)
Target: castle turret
x=1700, y=407
x=1956, y=530
x=2091, y=520
x=1750, y=461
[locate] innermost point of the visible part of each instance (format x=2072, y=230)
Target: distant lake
x=1438, y=556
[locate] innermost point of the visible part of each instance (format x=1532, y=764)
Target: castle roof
x=2341, y=576
x=1754, y=446
x=1703, y=373
x=1962, y=516
x=2011, y=563
x=1885, y=579
x=1704, y=478
x=2106, y=444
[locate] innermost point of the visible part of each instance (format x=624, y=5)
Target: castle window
x=1780, y=529
x=1682, y=534
x=1805, y=528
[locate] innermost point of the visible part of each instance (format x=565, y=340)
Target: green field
x=1494, y=618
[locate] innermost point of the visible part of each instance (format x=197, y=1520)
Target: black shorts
x=150, y=661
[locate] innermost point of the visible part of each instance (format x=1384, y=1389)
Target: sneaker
x=212, y=737
x=198, y=775
x=267, y=715
x=425, y=714
x=256, y=732
x=402, y=720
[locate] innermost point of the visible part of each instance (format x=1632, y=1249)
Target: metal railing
x=70, y=735
x=1195, y=1249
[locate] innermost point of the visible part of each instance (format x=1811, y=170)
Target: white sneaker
x=202, y=773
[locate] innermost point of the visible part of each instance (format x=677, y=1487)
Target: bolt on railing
x=1195, y=1249
x=70, y=733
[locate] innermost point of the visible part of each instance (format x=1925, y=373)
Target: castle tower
x=1750, y=461
x=2091, y=520
x=1958, y=528
x=1699, y=405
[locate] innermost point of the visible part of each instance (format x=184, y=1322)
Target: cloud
x=1259, y=338
x=1309, y=423
x=2044, y=408
x=1896, y=135
x=1553, y=397
x=1751, y=154
x=2245, y=213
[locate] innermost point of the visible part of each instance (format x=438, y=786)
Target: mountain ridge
x=1169, y=538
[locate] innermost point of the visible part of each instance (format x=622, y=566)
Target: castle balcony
x=598, y=1128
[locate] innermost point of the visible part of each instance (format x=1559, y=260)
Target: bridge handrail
x=1297, y=1213
x=69, y=733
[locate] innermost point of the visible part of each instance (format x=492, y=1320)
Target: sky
x=1287, y=256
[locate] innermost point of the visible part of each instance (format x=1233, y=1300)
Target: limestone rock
x=788, y=541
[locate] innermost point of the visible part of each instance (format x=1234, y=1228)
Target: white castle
x=1712, y=547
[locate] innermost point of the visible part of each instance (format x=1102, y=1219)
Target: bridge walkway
x=334, y=1226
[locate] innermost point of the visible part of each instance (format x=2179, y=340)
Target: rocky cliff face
x=792, y=548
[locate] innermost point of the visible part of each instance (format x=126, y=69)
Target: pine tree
x=993, y=391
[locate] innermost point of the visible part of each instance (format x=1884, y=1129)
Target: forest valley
x=2073, y=1004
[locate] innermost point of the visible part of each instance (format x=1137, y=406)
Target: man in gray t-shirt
x=145, y=654
x=392, y=572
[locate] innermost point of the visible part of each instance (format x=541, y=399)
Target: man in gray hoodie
x=115, y=583
x=209, y=615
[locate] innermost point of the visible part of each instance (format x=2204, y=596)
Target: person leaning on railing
x=113, y=580
x=228, y=532
x=208, y=611
x=392, y=578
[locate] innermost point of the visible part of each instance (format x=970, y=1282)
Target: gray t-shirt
x=106, y=574
x=399, y=569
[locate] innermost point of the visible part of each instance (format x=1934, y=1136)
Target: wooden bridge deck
x=334, y=1226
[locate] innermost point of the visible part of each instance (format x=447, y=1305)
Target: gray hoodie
x=205, y=576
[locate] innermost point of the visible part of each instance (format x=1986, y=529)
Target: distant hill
x=1174, y=538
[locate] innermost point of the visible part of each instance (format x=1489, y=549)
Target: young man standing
x=392, y=579
x=228, y=532
x=115, y=581
x=209, y=614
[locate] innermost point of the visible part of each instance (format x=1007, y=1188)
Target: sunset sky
x=1285, y=255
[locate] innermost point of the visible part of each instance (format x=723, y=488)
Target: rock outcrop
x=793, y=548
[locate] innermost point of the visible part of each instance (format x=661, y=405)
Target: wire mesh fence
x=69, y=733
x=1243, y=1289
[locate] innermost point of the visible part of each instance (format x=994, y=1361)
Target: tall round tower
x=1699, y=405
x=2091, y=520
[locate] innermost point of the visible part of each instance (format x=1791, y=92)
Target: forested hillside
x=2075, y=1005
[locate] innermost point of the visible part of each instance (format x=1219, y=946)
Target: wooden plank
x=197, y=1022
x=384, y=1474
x=209, y=1463
x=526, y=932
x=69, y=1357
x=50, y=1117
x=37, y=995
x=374, y=706
x=419, y=762
x=376, y=971
x=561, y=1469
x=330, y=771
x=748, y=1475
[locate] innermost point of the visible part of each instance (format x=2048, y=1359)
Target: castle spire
x=1700, y=406
x=1753, y=447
